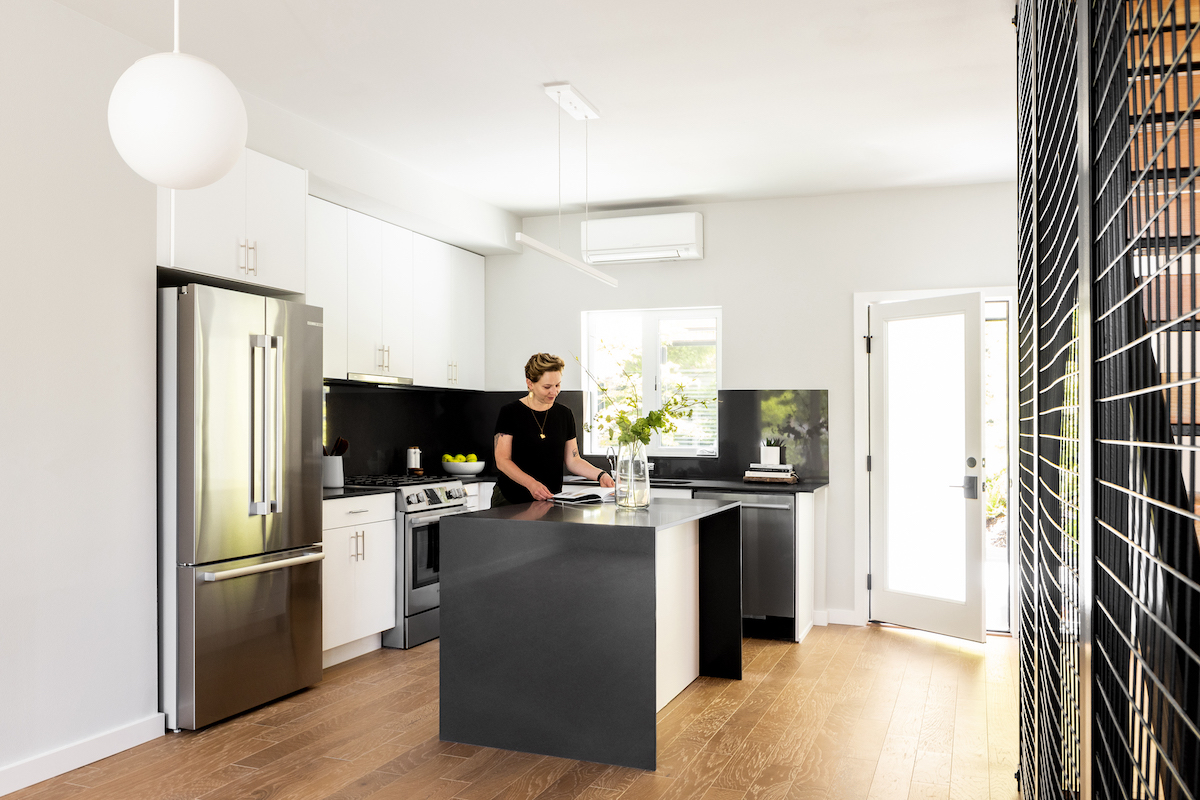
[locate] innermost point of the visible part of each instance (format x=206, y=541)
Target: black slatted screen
x=1143, y=737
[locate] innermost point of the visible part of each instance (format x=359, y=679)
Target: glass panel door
x=926, y=448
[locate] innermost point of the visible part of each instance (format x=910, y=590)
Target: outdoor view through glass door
x=926, y=415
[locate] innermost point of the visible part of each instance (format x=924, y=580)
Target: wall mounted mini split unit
x=651, y=237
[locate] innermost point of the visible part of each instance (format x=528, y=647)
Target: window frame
x=651, y=319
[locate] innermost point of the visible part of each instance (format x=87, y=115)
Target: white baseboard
x=820, y=618
x=73, y=756
x=349, y=650
x=845, y=616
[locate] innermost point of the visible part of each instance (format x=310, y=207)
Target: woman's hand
x=606, y=481
x=539, y=491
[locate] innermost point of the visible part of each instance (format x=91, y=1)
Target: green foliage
x=618, y=419
x=995, y=488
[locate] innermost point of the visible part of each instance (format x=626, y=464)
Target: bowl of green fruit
x=462, y=465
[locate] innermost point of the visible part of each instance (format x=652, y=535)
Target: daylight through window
x=640, y=358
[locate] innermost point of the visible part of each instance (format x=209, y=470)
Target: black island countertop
x=697, y=484
x=661, y=514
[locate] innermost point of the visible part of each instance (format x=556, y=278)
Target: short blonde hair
x=541, y=363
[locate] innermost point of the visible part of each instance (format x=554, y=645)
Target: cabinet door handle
x=359, y=511
x=363, y=534
x=252, y=249
x=387, y=354
x=243, y=256
x=354, y=547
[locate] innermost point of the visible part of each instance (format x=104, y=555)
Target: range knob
x=414, y=498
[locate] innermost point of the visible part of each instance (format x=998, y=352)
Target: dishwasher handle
x=774, y=506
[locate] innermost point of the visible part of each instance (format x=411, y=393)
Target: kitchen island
x=566, y=628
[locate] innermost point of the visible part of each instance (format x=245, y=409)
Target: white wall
x=347, y=173
x=78, y=618
x=784, y=272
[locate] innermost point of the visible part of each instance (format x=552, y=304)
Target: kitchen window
x=643, y=356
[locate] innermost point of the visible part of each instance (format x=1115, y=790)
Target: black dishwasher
x=768, y=562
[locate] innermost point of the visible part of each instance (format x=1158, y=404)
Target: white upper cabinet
x=396, y=293
x=468, y=320
x=364, y=305
x=448, y=310
x=325, y=266
x=433, y=311
x=275, y=221
x=379, y=298
x=249, y=226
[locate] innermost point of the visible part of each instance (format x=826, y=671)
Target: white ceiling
x=700, y=100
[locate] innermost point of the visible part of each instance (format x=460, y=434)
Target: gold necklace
x=541, y=425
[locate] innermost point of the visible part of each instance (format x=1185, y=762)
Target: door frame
x=862, y=440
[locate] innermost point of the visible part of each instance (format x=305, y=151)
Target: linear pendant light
x=566, y=98
x=529, y=241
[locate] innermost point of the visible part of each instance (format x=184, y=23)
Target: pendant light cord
x=558, y=95
x=585, y=184
x=176, y=26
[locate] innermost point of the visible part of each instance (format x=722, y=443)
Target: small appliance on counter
x=414, y=461
x=240, y=541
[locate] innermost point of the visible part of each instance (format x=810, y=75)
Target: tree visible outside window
x=683, y=345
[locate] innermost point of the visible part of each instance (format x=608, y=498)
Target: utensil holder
x=331, y=471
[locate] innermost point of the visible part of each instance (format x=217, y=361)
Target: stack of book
x=771, y=473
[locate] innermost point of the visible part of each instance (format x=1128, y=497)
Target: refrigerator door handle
x=277, y=385
x=269, y=566
x=258, y=427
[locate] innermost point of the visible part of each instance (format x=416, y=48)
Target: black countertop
x=721, y=485
x=663, y=513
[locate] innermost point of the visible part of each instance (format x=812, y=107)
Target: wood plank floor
x=852, y=712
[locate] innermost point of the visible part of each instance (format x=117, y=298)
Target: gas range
x=392, y=481
x=424, y=493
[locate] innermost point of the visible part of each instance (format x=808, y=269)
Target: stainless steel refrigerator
x=240, y=396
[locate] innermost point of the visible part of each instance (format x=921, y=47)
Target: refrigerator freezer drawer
x=248, y=639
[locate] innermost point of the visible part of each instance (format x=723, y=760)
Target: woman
x=535, y=439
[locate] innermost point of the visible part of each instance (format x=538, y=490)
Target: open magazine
x=590, y=494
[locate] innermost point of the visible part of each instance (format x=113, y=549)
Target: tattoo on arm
x=574, y=454
x=496, y=439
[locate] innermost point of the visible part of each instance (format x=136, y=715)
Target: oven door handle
x=420, y=522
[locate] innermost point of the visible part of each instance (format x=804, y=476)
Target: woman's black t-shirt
x=537, y=457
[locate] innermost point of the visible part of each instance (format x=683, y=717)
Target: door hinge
x=868, y=337
x=868, y=463
x=868, y=580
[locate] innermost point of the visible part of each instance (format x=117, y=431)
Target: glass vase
x=633, y=476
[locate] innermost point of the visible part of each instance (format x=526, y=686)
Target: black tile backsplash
x=382, y=423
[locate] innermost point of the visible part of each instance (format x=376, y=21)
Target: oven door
x=422, y=558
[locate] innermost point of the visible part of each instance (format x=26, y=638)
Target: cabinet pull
x=359, y=511
x=363, y=534
x=252, y=248
x=387, y=356
x=243, y=256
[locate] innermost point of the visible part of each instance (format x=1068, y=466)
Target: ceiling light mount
x=571, y=101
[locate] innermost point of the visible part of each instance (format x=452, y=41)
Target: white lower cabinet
x=359, y=579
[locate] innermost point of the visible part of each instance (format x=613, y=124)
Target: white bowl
x=464, y=467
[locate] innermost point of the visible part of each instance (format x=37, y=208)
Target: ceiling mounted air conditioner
x=650, y=237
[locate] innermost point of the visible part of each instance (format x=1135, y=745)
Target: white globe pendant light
x=177, y=120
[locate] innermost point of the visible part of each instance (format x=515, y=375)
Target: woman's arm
x=584, y=468
x=504, y=463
